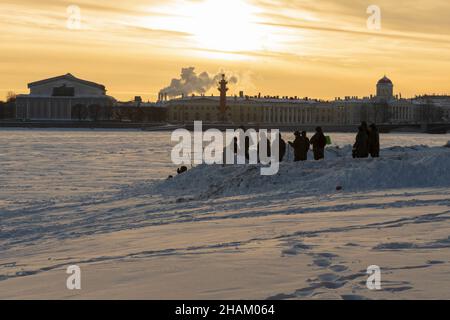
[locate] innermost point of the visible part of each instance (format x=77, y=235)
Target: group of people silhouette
x=302, y=144
x=367, y=143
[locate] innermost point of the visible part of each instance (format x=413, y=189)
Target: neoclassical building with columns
x=68, y=98
x=64, y=97
x=384, y=107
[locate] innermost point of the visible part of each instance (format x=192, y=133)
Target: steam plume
x=189, y=83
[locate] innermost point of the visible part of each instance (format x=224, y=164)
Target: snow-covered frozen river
x=99, y=199
x=44, y=164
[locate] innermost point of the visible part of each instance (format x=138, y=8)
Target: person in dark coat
x=247, y=147
x=246, y=144
x=319, y=142
x=374, y=141
x=361, y=147
x=282, y=148
x=301, y=146
x=365, y=127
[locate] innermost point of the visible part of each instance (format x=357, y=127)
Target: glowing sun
x=216, y=25
x=225, y=25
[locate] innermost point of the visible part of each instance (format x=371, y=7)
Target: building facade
x=384, y=107
x=435, y=107
x=139, y=111
x=68, y=98
x=64, y=98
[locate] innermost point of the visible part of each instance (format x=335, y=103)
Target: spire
x=223, y=98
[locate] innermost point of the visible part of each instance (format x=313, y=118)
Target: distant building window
x=63, y=91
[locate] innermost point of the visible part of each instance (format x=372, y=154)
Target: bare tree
x=79, y=112
x=11, y=96
x=94, y=111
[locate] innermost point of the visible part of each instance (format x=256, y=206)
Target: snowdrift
x=398, y=168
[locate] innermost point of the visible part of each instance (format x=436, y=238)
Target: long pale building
x=384, y=107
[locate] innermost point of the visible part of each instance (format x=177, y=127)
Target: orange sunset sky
x=315, y=48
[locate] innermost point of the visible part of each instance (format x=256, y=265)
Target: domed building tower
x=385, y=89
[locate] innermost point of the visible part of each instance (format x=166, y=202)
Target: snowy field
x=100, y=200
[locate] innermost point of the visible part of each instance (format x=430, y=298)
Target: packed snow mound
x=398, y=168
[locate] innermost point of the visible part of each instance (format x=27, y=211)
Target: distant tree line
x=8, y=108
x=92, y=112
